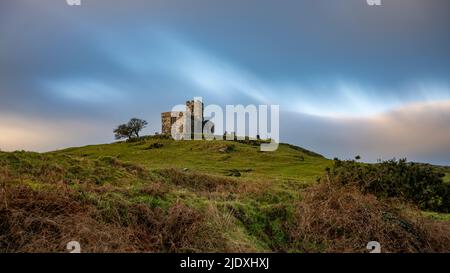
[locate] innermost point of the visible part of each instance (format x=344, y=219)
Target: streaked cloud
x=349, y=78
x=85, y=91
x=419, y=132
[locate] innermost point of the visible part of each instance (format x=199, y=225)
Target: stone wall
x=167, y=121
x=195, y=109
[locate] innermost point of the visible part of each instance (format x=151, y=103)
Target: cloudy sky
x=350, y=79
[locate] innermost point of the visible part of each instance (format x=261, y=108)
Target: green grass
x=196, y=173
x=287, y=163
x=447, y=178
x=288, y=170
x=437, y=215
x=249, y=210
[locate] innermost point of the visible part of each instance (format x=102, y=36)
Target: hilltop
x=161, y=195
x=217, y=157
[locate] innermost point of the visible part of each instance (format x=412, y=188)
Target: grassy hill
x=288, y=163
x=160, y=195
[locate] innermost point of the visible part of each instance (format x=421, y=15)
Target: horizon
x=351, y=79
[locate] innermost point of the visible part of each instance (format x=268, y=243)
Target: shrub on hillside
x=155, y=145
x=340, y=218
x=418, y=183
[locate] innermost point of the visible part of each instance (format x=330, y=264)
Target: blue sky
x=349, y=78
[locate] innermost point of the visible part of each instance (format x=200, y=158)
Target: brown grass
x=43, y=215
x=45, y=221
x=334, y=218
x=198, y=181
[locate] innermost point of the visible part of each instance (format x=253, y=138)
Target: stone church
x=194, y=110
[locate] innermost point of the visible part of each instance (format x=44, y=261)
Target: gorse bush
x=418, y=183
